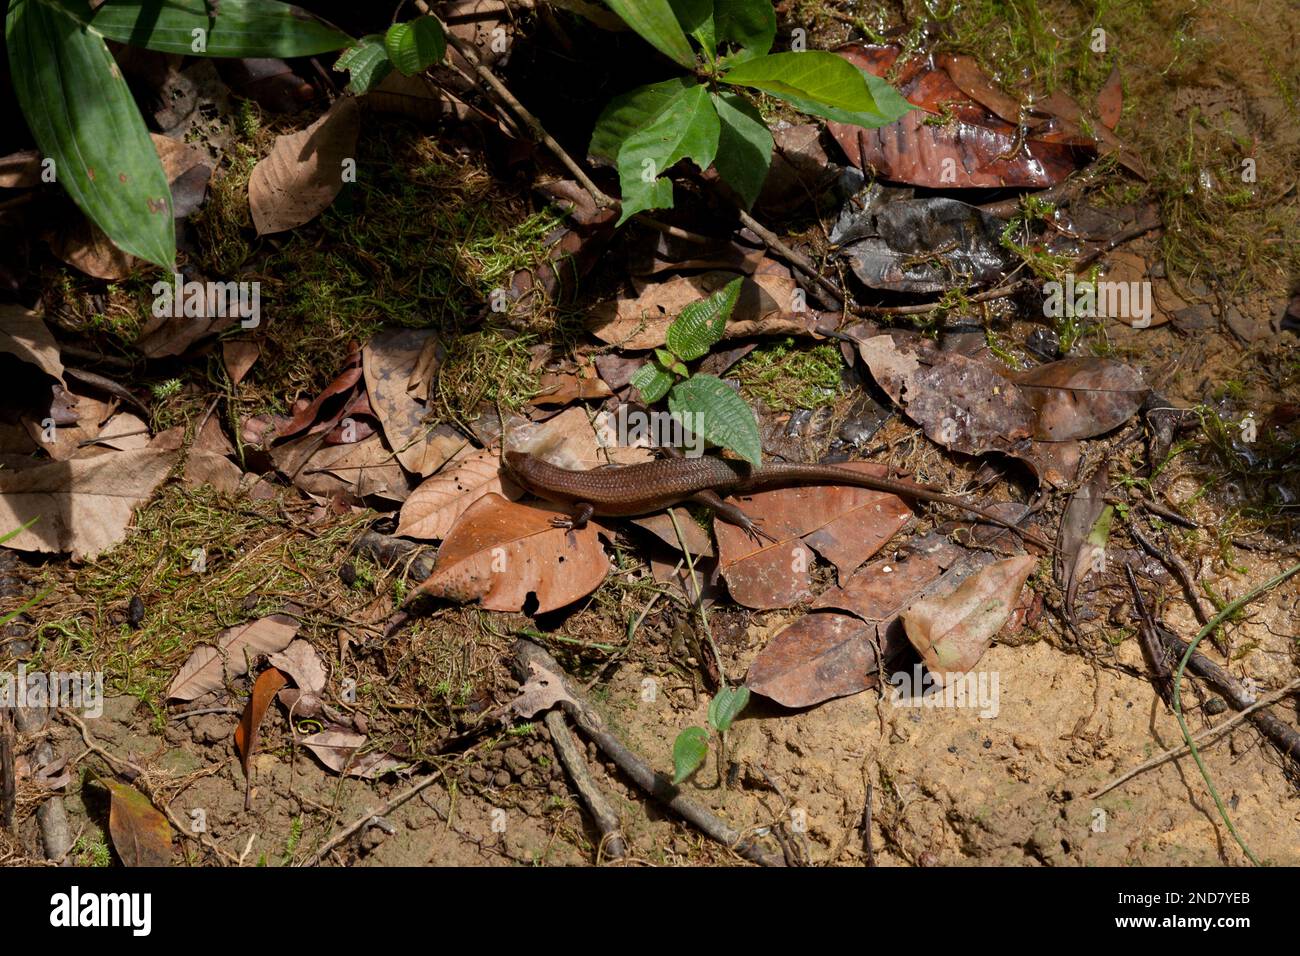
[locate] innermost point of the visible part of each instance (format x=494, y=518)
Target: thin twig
x=1208, y=735
x=831, y=297
x=1209, y=628
x=607, y=822
x=383, y=811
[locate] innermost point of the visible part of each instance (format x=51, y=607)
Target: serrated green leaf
x=652, y=380
x=250, y=28
x=687, y=128
x=726, y=707
x=744, y=146
x=709, y=407
x=751, y=24
x=700, y=325
x=819, y=83
x=367, y=61
x=84, y=118
x=689, y=750
x=415, y=46
x=655, y=22
x=634, y=110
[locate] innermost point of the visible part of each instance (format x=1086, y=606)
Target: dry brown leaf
x=301, y=662
x=238, y=356
x=337, y=749
x=304, y=171
x=501, y=553
x=951, y=629
x=20, y=170
x=248, y=732
x=83, y=505
x=542, y=691
x=125, y=431
x=432, y=509
x=766, y=306
x=881, y=589
x=362, y=468
x=390, y=360
x=141, y=835
x=23, y=333
x=819, y=656
x=209, y=668
x=1081, y=397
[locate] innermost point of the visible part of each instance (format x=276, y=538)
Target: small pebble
x=135, y=612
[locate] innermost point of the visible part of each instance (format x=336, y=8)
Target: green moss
x=786, y=376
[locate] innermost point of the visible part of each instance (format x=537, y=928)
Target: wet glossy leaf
x=414, y=47
x=819, y=83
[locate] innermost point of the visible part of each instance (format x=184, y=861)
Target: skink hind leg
x=582, y=514
x=733, y=515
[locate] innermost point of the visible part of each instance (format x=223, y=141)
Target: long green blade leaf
x=656, y=23
x=82, y=116
x=822, y=84
x=240, y=28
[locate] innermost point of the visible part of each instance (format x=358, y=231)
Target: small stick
x=1181, y=571
x=383, y=811
x=611, y=836
x=832, y=297
x=1155, y=651
x=1209, y=734
x=655, y=784
x=529, y=120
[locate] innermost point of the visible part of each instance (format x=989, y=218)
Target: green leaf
x=744, y=146
x=701, y=324
x=414, y=47
x=750, y=24
x=671, y=362
x=696, y=18
x=689, y=750
x=726, y=707
x=819, y=83
x=251, y=28
x=655, y=22
x=709, y=407
x=652, y=380
x=367, y=61
x=687, y=128
x=83, y=117
x=9, y=536
x=626, y=114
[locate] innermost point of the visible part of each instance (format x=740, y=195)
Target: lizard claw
x=758, y=535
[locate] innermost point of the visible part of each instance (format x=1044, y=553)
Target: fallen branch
x=358, y=824
x=655, y=784
x=611, y=836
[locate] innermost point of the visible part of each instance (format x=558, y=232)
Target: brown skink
x=627, y=490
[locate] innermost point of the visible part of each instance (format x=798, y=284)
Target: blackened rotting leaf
x=135, y=612
x=920, y=245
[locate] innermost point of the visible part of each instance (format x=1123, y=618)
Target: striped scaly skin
x=627, y=490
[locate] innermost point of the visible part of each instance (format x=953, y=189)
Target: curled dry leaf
x=301, y=662
x=83, y=505
x=238, y=356
x=141, y=835
x=973, y=148
x=542, y=691
x=432, y=509
x=819, y=656
x=339, y=750
x=501, y=553
x=304, y=171
x=392, y=360
x=247, y=734
x=209, y=668
x=951, y=629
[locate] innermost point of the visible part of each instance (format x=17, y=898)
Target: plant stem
x=1209, y=628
